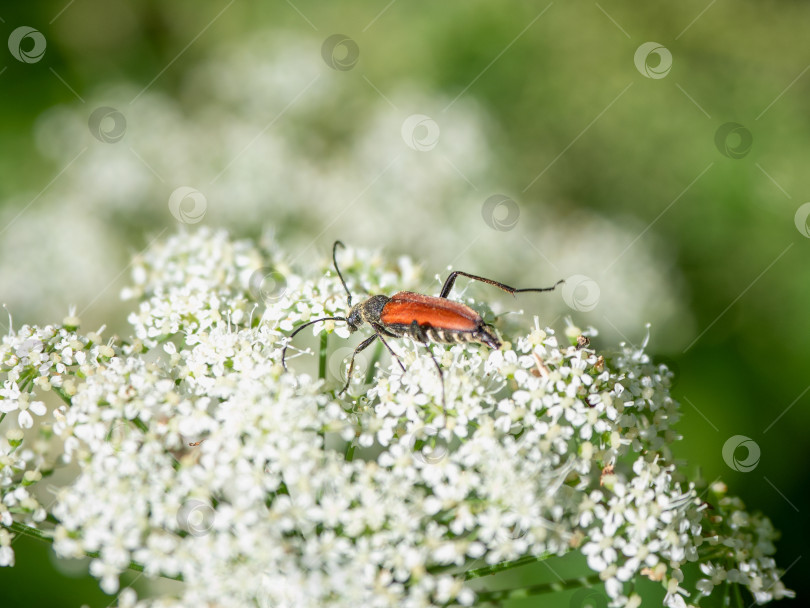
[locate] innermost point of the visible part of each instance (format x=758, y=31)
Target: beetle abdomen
x=406, y=307
x=426, y=318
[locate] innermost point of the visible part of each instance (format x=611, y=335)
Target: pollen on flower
x=71, y=322
x=14, y=437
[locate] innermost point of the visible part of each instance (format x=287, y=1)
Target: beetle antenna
x=541, y=288
x=334, y=259
x=298, y=329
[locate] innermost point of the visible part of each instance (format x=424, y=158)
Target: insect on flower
x=424, y=319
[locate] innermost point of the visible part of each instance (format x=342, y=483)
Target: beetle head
x=355, y=317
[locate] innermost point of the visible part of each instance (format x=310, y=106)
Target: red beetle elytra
x=424, y=319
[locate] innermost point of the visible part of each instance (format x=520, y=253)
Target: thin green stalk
x=500, y=567
x=322, y=357
x=28, y=531
x=62, y=394
x=726, y=599
x=350, y=451
x=26, y=378
x=523, y=592
x=738, y=595
x=494, y=568
x=31, y=532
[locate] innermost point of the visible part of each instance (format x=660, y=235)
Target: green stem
x=738, y=595
x=31, y=532
x=322, y=357
x=500, y=567
x=523, y=592
x=725, y=601
x=25, y=379
x=28, y=531
x=62, y=394
x=350, y=451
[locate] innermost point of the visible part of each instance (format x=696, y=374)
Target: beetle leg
x=420, y=335
x=380, y=330
x=448, y=284
x=360, y=347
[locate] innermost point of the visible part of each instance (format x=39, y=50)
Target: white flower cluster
x=200, y=458
x=36, y=362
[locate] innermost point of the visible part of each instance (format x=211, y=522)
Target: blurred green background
x=633, y=181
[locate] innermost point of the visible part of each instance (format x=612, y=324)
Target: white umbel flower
x=200, y=458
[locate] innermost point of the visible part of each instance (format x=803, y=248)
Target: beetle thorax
x=368, y=311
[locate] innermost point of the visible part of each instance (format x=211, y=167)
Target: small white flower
x=24, y=418
x=6, y=556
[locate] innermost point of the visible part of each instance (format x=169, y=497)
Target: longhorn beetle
x=424, y=319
